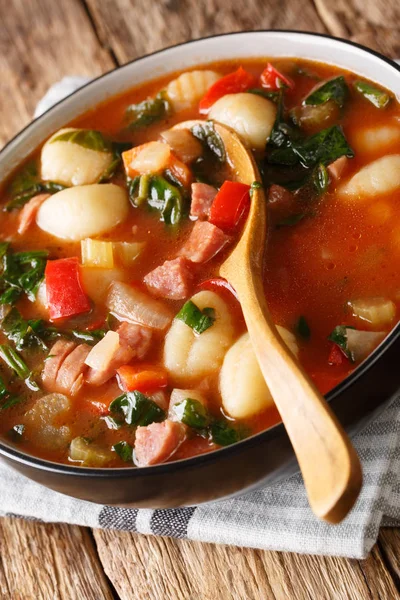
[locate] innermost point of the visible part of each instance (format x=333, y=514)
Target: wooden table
x=40, y=42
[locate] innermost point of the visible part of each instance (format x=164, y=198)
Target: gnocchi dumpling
x=188, y=88
x=70, y=163
x=250, y=115
x=378, y=177
x=376, y=139
x=243, y=389
x=83, y=211
x=189, y=356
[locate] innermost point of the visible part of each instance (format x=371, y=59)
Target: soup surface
x=120, y=343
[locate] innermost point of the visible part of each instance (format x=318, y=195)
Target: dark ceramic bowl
x=268, y=456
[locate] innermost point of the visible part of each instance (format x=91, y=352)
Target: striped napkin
x=276, y=517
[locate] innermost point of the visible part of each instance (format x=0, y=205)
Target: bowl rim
x=14, y=454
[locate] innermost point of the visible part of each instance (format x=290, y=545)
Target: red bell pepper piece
x=233, y=83
x=142, y=378
x=217, y=282
x=272, y=79
x=336, y=356
x=65, y=295
x=229, y=205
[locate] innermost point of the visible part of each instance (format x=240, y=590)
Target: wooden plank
x=62, y=42
x=42, y=562
x=372, y=23
x=135, y=27
x=144, y=567
x=389, y=543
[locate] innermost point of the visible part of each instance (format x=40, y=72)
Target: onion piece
x=104, y=351
x=89, y=454
x=183, y=144
x=96, y=253
x=130, y=304
x=361, y=343
x=376, y=311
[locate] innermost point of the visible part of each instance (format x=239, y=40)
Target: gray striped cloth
x=276, y=517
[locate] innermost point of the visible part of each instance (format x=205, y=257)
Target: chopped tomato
x=272, y=79
x=65, y=295
x=217, y=282
x=229, y=205
x=233, y=83
x=142, y=378
x=336, y=356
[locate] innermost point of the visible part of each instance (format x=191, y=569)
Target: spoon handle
x=328, y=461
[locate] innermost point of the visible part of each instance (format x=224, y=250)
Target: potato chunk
x=43, y=421
x=376, y=311
x=69, y=163
x=378, y=177
x=251, y=116
x=83, y=211
x=189, y=356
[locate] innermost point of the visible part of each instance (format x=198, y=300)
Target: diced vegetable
x=272, y=79
x=379, y=312
x=229, y=205
x=89, y=454
x=339, y=337
x=160, y=195
x=43, y=420
x=131, y=304
x=190, y=412
x=179, y=172
x=149, y=111
x=336, y=356
x=65, y=295
x=143, y=378
x=26, y=185
x=76, y=157
x=183, y=144
x=101, y=354
x=196, y=319
x=83, y=211
x=136, y=409
x=210, y=138
x=335, y=89
x=238, y=81
x=128, y=252
x=250, y=115
x=22, y=273
x=20, y=368
x=188, y=88
x=96, y=253
x=355, y=344
x=152, y=157
x=375, y=95
x=224, y=434
x=96, y=282
x=25, y=333
x=378, y=177
x=313, y=118
x=124, y=451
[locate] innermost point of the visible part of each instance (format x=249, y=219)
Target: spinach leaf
x=323, y=147
x=376, y=96
x=87, y=138
x=166, y=198
x=20, y=368
x=124, y=451
x=321, y=179
x=7, y=399
x=268, y=94
x=192, y=413
x=196, y=319
x=339, y=337
x=24, y=334
x=91, y=337
x=210, y=138
x=302, y=328
x=136, y=409
x=223, y=434
x=335, y=89
x=149, y=111
x=26, y=185
x=22, y=272
x=118, y=148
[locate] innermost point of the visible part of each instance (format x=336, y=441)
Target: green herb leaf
x=210, y=138
x=339, y=337
x=91, y=337
x=335, y=89
x=20, y=368
x=118, y=148
x=223, y=434
x=7, y=399
x=196, y=319
x=26, y=185
x=87, y=138
x=136, y=409
x=256, y=185
x=124, y=451
x=149, y=111
x=321, y=179
x=192, y=413
x=22, y=272
x=379, y=98
x=24, y=334
x=166, y=198
x=16, y=433
x=302, y=328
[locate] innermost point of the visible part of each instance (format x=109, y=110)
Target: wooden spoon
x=328, y=461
